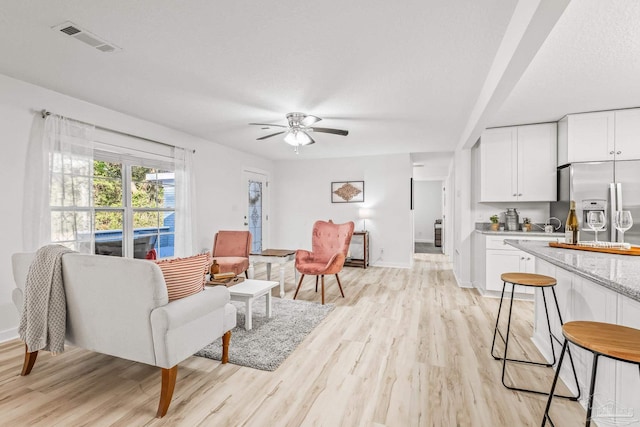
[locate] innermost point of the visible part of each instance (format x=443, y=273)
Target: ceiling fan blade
x=269, y=136
x=333, y=131
x=312, y=141
x=309, y=120
x=269, y=124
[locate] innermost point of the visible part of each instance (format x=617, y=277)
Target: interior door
x=256, y=214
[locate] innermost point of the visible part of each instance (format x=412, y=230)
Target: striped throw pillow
x=185, y=276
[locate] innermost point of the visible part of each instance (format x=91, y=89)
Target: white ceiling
x=589, y=62
x=401, y=77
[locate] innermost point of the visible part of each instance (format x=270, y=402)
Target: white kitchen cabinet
x=498, y=165
x=627, y=134
x=599, y=136
x=499, y=261
x=498, y=257
x=503, y=258
x=590, y=137
x=518, y=163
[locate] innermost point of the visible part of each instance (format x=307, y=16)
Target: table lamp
x=364, y=214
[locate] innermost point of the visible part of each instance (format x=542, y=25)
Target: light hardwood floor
x=406, y=347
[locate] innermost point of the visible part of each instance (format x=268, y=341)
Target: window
x=105, y=192
x=130, y=208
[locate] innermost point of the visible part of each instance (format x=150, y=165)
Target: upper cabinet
x=627, y=134
x=518, y=163
x=600, y=136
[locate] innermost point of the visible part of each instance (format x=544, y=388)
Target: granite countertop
x=620, y=273
x=507, y=234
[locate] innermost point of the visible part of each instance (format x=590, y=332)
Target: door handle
x=246, y=223
x=618, y=152
x=610, y=152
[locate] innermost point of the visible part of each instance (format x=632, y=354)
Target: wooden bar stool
x=602, y=339
x=537, y=281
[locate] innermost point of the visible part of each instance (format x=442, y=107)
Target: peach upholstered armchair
x=330, y=244
x=231, y=251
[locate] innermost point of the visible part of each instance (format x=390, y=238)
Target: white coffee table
x=248, y=291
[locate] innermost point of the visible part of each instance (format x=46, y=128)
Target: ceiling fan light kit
x=297, y=133
x=297, y=137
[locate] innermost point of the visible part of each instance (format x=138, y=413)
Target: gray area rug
x=271, y=340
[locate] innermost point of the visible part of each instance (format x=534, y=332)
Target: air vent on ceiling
x=79, y=33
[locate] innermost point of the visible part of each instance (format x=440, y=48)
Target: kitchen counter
x=516, y=234
x=620, y=273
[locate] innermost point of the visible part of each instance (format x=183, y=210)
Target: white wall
x=462, y=221
x=304, y=196
x=427, y=196
x=218, y=170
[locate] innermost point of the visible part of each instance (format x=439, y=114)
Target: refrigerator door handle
x=618, y=196
x=619, y=207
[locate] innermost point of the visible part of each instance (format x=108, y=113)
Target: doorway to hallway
x=428, y=227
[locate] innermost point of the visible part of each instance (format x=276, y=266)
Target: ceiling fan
x=298, y=129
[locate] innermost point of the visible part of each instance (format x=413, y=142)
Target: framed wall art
x=347, y=192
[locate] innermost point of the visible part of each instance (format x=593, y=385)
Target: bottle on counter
x=572, y=228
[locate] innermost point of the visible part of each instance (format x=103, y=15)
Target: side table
x=273, y=256
x=360, y=238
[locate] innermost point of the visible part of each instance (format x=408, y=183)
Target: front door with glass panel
x=256, y=215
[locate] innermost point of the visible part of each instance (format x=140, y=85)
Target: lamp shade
x=364, y=213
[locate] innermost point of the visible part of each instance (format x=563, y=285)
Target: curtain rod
x=46, y=113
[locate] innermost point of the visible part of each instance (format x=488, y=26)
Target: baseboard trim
x=460, y=283
x=9, y=334
x=422, y=241
x=390, y=264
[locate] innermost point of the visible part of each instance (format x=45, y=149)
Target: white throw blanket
x=44, y=313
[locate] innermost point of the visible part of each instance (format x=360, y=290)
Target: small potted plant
x=495, y=222
x=526, y=224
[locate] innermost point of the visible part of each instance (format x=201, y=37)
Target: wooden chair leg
x=225, y=346
x=340, y=285
x=246, y=273
x=29, y=361
x=168, y=384
x=322, y=280
x=316, y=283
x=298, y=288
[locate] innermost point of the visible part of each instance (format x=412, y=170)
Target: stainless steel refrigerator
x=606, y=186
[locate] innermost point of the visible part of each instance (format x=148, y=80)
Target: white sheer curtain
x=58, y=185
x=185, y=200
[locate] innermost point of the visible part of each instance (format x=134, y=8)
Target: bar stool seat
x=602, y=339
x=528, y=279
x=541, y=282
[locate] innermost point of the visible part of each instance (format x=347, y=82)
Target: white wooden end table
x=273, y=256
x=247, y=292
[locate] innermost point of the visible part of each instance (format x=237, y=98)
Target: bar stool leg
x=546, y=416
x=594, y=371
x=546, y=312
x=495, y=330
x=573, y=366
x=506, y=342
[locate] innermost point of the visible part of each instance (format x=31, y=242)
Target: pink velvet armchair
x=231, y=251
x=330, y=244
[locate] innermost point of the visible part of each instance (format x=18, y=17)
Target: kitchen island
x=599, y=287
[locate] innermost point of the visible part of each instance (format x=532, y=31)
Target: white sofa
x=119, y=306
